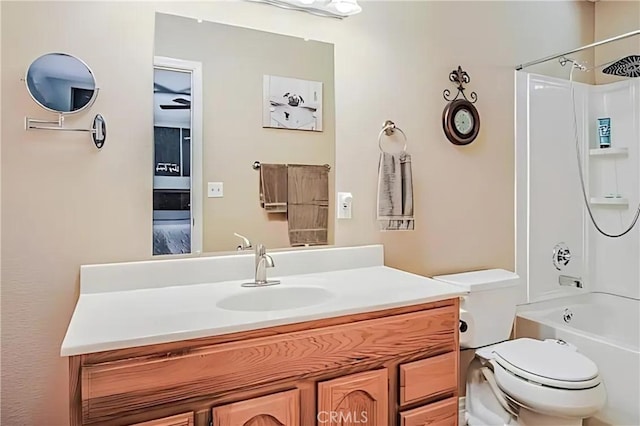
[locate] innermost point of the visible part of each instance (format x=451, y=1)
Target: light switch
x=215, y=190
x=344, y=204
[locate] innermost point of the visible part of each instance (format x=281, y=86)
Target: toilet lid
x=545, y=362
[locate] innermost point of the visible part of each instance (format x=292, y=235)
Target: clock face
x=463, y=120
x=460, y=122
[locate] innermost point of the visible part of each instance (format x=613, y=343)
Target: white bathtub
x=605, y=328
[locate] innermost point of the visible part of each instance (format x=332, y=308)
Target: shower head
x=625, y=67
x=575, y=64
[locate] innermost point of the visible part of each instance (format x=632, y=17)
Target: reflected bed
x=171, y=236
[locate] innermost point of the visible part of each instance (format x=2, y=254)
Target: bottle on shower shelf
x=604, y=132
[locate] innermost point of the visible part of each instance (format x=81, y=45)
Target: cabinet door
x=185, y=419
x=359, y=399
x=442, y=413
x=280, y=409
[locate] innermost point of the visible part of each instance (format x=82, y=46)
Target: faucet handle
x=245, y=244
x=561, y=256
x=260, y=249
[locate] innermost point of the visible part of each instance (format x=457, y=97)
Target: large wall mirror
x=225, y=99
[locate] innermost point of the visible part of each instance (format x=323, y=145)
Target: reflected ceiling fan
x=179, y=103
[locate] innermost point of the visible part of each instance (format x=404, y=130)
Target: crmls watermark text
x=341, y=417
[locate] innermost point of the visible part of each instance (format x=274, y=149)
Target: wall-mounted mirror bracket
x=98, y=128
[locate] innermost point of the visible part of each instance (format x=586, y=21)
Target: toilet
x=521, y=382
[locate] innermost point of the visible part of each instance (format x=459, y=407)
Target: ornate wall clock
x=460, y=118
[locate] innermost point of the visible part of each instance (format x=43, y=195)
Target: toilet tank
x=490, y=303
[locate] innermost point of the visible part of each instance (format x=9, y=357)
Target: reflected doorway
x=177, y=143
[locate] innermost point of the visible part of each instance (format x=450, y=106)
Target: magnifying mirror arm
x=33, y=124
x=98, y=130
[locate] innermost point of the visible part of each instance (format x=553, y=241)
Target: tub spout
x=567, y=280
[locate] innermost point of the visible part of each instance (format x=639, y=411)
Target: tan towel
x=308, y=210
x=273, y=187
x=395, y=192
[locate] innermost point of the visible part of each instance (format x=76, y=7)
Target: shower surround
x=602, y=322
x=550, y=208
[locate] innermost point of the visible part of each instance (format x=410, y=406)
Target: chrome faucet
x=566, y=280
x=263, y=261
x=245, y=244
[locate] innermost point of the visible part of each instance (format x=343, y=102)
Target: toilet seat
x=546, y=381
x=545, y=363
x=579, y=403
x=546, y=377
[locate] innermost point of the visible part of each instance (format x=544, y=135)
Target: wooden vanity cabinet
x=386, y=368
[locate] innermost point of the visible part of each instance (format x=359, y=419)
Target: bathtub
x=605, y=328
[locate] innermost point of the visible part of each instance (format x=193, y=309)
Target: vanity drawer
x=441, y=413
x=428, y=378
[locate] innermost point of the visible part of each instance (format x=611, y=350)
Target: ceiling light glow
x=329, y=8
x=347, y=6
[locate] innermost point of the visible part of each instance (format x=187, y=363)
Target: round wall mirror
x=61, y=83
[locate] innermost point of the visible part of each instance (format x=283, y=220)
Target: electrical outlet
x=215, y=190
x=344, y=205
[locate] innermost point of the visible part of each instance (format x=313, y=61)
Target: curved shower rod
x=559, y=55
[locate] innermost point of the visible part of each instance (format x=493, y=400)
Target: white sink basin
x=274, y=298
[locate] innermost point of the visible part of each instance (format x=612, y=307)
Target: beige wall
x=65, y=204
x=233, y=61
x=465, y=210
x=613, y=18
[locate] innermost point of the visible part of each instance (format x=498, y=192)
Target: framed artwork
x=291, y=103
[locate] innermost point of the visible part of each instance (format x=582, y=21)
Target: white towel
x=395, y=192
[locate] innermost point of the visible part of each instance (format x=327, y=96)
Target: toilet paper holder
x=463, y=326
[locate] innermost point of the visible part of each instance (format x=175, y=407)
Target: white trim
x=462, y=403
x=195, y=68
x=522, y=178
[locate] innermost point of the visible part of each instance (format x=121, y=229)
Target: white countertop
x=129, y=317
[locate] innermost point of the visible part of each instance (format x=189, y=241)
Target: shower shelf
x=604, y=201
x=597, y=152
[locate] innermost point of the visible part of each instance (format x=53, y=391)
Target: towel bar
x=256, y=165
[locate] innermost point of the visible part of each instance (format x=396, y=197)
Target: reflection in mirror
x=61, y=83
x=172, y=219
x=237, y=130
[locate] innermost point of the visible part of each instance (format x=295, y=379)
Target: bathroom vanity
x=380, y=349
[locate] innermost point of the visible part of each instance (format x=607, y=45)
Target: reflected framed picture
x=292, y=103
